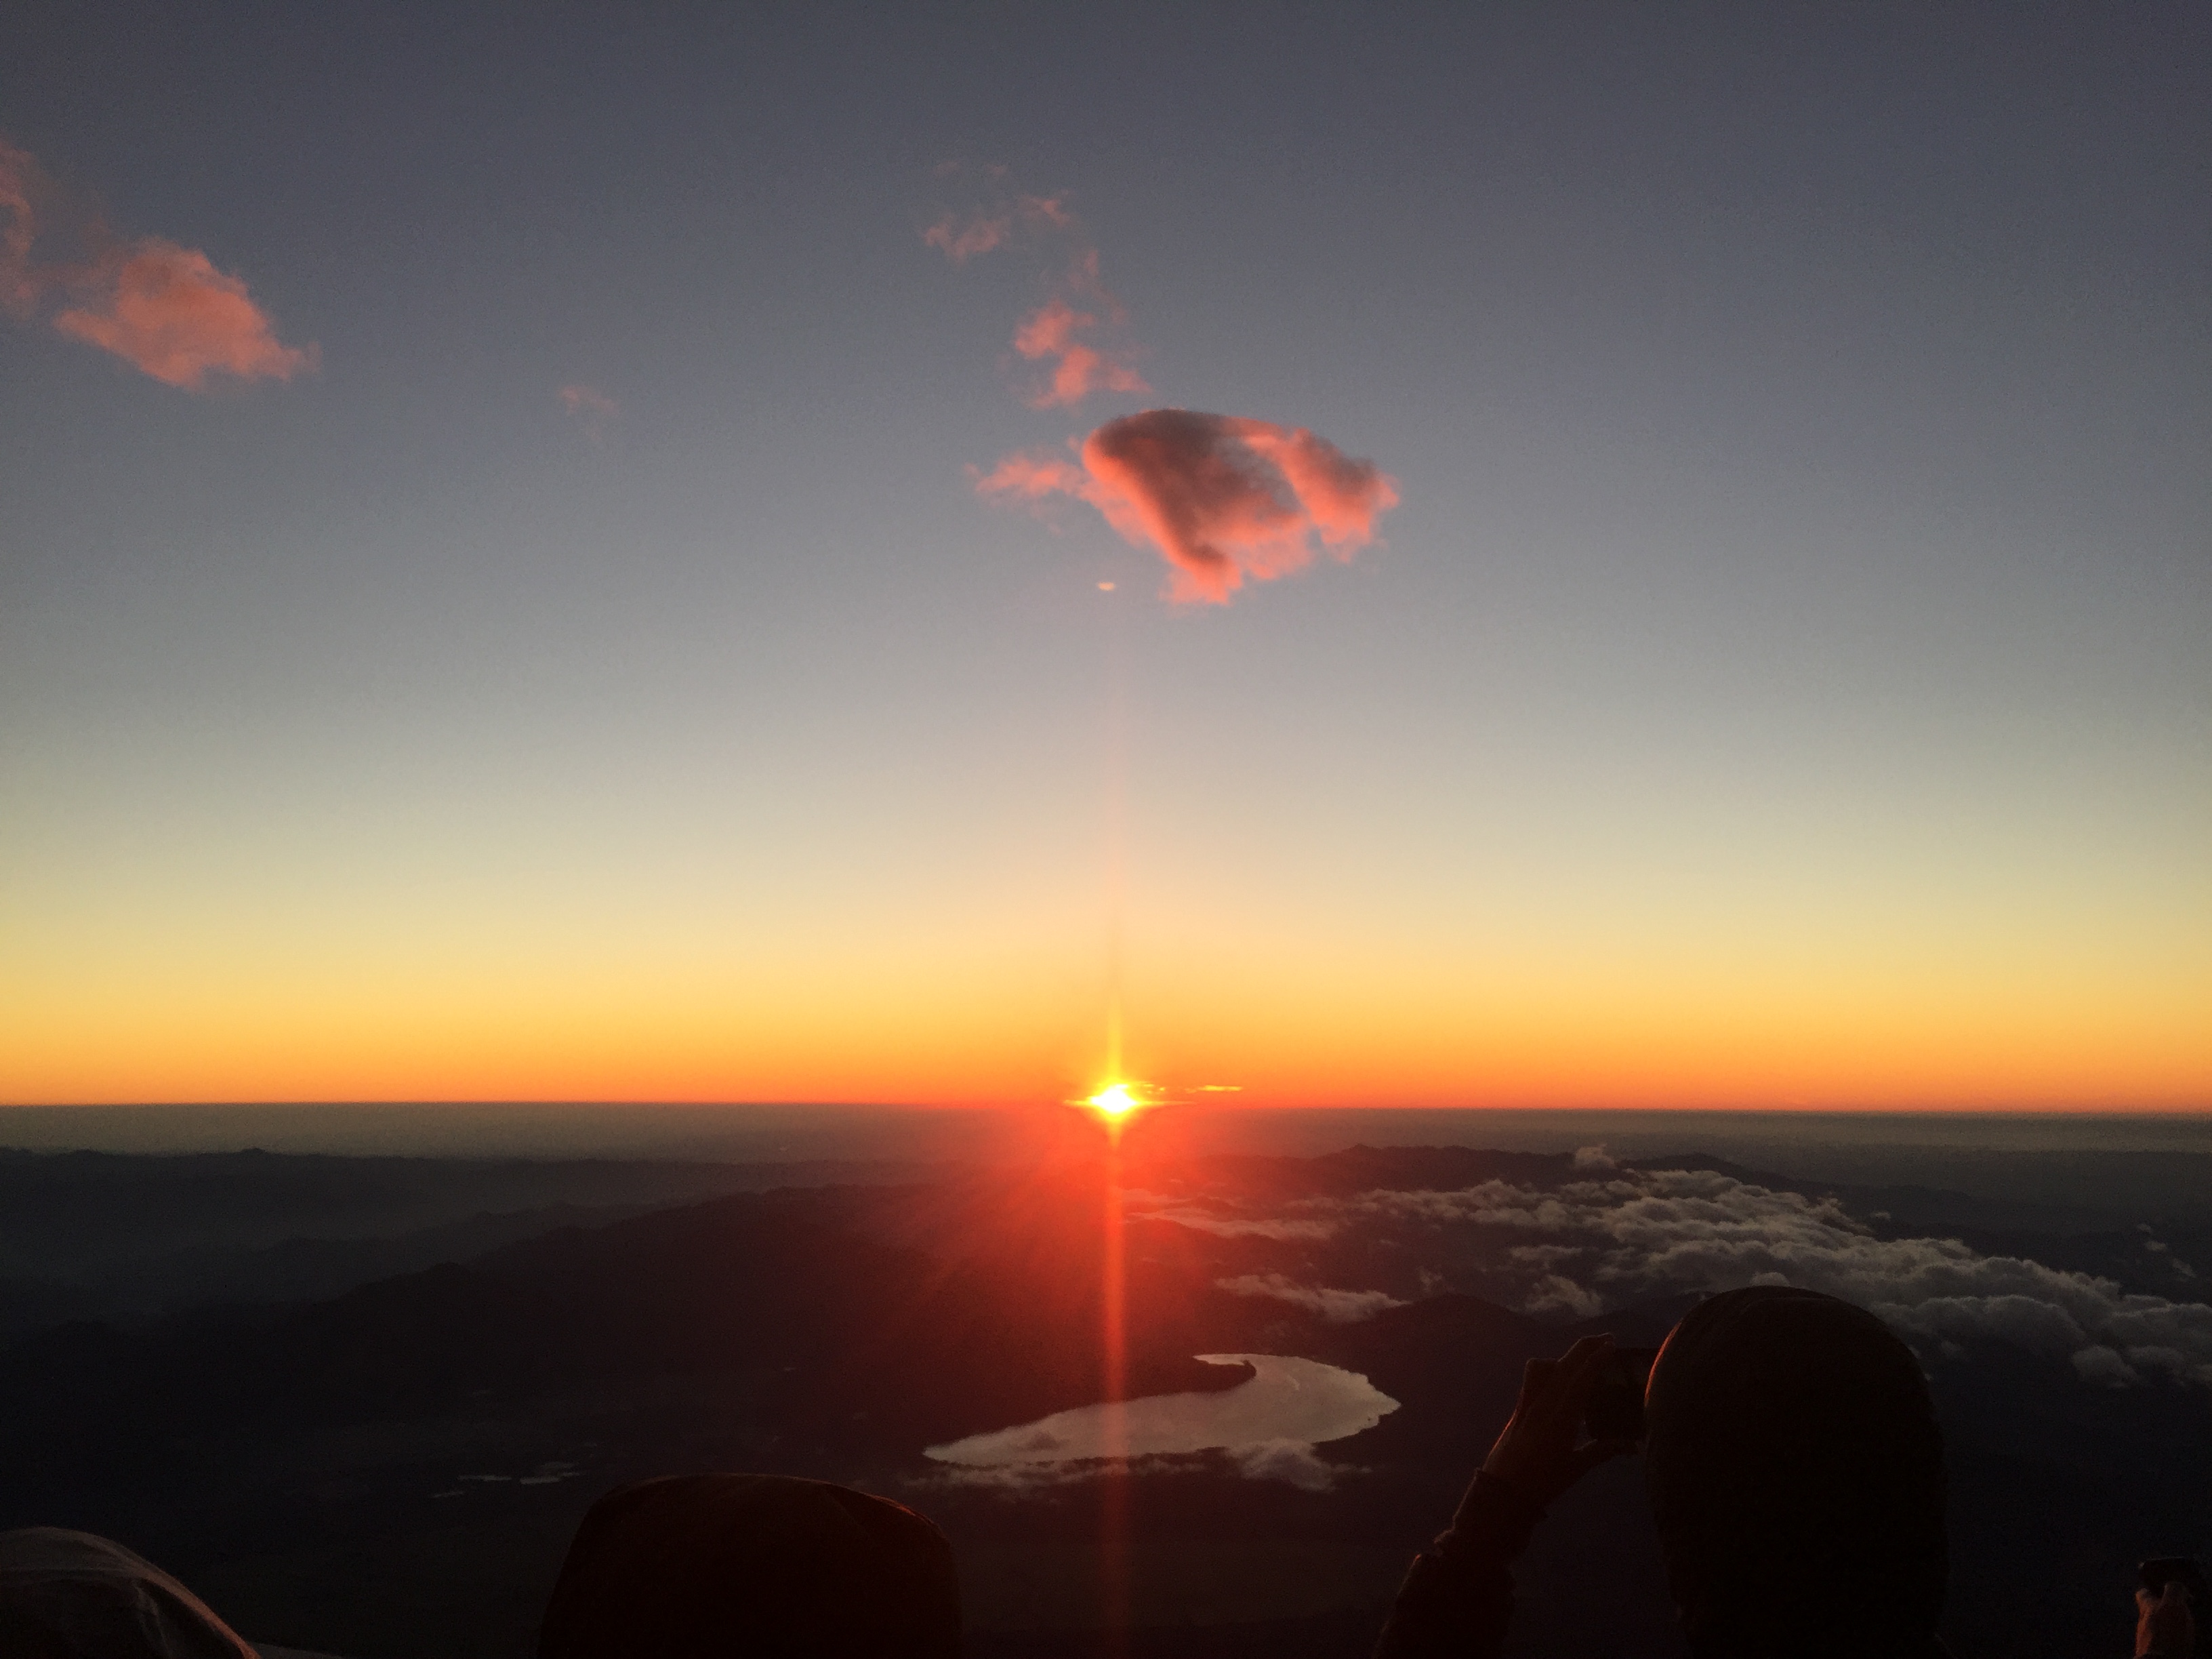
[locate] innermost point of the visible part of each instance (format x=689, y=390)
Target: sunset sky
x=1657, y=555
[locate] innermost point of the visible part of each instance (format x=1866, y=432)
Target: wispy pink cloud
x=1222, y=498
x=962, y=241
x=590, y=408
x=163, y=308
x=168, y=312
x=1079, y=368
x=1071, y=331
x=1047, y=211
x=19, y=290
x=583, y=400
x=1033, y=478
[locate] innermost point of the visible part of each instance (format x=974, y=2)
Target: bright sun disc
x=1115, y=1100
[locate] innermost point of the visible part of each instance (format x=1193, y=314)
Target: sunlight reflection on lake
x=1298, y=1400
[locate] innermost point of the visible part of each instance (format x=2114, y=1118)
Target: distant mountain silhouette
x=394, y=1470
x=838, y=1323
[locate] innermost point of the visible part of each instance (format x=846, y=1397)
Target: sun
x=1117, y=1105
x=1114, y=1100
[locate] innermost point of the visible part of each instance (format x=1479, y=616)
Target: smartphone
x=2159, y=1572
x=1616, y=1411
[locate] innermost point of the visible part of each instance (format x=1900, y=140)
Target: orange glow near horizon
x=335, y=959
x=990, y=999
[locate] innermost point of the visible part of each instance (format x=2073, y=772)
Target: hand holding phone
x=2171, y=1600
x=1616, y=1411
x=1536, y=1452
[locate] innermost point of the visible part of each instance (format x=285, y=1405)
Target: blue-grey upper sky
x=1786, y=654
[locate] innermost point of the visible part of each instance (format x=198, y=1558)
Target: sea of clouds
x=1621, y=1235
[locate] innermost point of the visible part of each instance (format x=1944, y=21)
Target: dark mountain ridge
x=391, y=1473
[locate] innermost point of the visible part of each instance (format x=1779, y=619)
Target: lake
x=1299, y=1401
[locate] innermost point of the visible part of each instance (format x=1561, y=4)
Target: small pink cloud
x=168, y=312
x=1222, y=498
x=163, y=308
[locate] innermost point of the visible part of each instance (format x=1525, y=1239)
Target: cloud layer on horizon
x=1222, y=498
x=164, y=308
x=1620, y=1237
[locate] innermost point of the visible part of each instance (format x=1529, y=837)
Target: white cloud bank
x=1626, y=1236
x=1338, y=1307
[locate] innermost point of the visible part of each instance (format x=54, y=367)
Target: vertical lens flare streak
x=1114, y=1104
x=1114, y=1489
x=1116, y=827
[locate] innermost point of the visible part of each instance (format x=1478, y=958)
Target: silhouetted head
x=70, y=1596
x=762, y=1566
x=1796, y=1471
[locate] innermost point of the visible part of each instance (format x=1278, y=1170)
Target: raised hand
x=1536, y=1452
x=2164, y=1624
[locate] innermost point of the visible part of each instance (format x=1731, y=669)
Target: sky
x=1454, y=555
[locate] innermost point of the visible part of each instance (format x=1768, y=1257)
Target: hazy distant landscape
x=361, y=1400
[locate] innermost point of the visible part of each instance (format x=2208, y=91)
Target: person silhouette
x=69, y=1594
x=702, y=1566
x=1794, y=1470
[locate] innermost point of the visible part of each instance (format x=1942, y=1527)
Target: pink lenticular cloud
x=1221, y=497
x=163, y=308
x=1224, y=499
x=168, y=312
